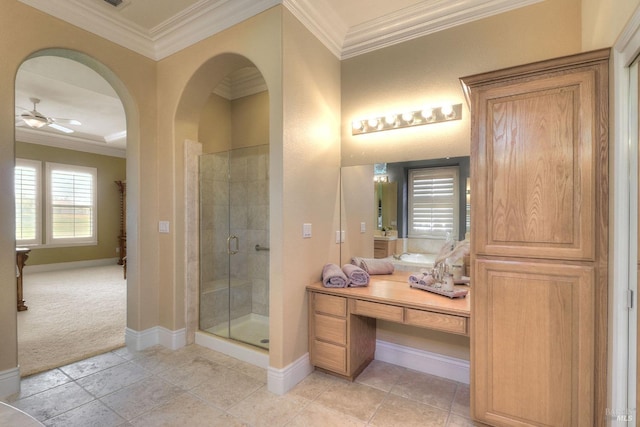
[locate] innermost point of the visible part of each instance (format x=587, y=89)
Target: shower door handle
x=229, y=250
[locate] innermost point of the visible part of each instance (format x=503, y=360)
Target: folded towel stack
x=357, y=276
x=333, y=277
x=373, y=266
x=422, y=278
x=349, y=275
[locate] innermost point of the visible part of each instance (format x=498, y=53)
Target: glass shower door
x=234, y=243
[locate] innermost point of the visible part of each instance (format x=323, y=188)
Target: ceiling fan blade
x=61, y=128
x=66, y=121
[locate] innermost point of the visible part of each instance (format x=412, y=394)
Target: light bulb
x=447, y=111
x=373, y=123
x=391, y=119
x=428, y=115
x=356, y=125
x=407, y=117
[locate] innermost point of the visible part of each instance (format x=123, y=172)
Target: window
x=27, y=192
x=433, y=202
x=71, y=204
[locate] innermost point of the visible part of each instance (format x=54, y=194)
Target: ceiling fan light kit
x=36, y=120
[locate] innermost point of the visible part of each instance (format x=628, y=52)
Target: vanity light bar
x=425, y=116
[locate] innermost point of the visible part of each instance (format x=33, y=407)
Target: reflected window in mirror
x=433, y=199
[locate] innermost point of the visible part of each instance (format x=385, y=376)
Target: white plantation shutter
x=433, y=202
x=72, y=204
x=27, y=194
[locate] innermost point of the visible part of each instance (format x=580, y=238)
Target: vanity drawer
x=377, y=310
x=330, y=304
x=442, y=322
x=330, y=356
x=332, y=329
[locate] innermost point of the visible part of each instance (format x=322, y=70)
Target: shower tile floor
x=196, y=386
x=251, y=329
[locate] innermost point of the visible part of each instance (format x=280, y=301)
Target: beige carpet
x=72, y=315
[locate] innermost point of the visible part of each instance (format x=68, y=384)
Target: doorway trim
x=624, y=241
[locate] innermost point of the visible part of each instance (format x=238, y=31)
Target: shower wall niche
x=234, y=244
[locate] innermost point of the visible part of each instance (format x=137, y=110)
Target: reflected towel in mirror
x=374, y=266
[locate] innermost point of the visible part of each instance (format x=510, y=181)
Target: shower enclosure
x=234, y=244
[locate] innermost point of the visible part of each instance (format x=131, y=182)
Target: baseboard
x=235, y=349
x=423, y=361
x=158, y=335
x=9, y=382
x=43, y=268
x=280, y=381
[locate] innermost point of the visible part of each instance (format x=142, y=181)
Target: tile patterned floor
x=195, y=386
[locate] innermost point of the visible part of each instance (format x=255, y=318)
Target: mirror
x=388, y=221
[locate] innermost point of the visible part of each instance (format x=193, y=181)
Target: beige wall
x=23, y=31
x=242, y=122
x=214, y=129
x=110, y=169
x=427, y=71
x=311, y=164
x=603, y=20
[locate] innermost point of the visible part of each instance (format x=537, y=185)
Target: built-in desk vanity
x=342, y=321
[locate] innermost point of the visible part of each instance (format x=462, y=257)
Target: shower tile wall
x=247, y=198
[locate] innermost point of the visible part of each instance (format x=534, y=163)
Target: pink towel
x=333, y=277
x=357, y=276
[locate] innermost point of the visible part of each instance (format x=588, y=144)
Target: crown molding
x=208, y=17
x=68, y=142
x=202, y=20
x=322, y=21
x=420, y=20
x=94, y=20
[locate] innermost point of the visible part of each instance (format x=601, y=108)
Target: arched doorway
x=94, y=84
x=229, y=298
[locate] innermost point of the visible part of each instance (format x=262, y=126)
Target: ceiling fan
x=36, y=120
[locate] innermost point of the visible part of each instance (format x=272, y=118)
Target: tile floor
x=195, y=386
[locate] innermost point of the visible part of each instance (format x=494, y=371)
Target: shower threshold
x=251, y=329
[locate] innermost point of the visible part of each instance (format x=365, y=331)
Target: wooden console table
x=342, y=321
x=21, y=259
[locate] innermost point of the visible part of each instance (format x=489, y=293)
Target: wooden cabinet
x=342, y=321
x=539, y=170
x=338, y=342
x=383, y=248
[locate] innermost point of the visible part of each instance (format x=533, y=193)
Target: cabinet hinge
x=629, y=299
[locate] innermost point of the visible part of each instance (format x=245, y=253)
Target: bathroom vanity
x=342, y=321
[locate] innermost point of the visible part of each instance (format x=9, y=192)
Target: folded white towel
x=333, y=277
x=356, y=275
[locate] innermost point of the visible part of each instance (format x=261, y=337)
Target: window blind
x=72, y=204
x=433, y=202
x=27, y=199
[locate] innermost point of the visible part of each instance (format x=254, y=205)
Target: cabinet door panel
x=535, y=145
x=533, y=343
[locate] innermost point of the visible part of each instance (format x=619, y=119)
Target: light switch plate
x=306, y=231
x=363, y=227
x=163, y=226
x=337, y=236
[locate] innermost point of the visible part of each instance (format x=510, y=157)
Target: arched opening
x=227, y=104
x=69, y=235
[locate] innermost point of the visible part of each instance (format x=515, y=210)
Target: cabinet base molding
x=436, y=364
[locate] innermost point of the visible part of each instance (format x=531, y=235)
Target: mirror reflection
x=415, y=208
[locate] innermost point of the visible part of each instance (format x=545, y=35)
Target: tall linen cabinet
x=539, y=237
